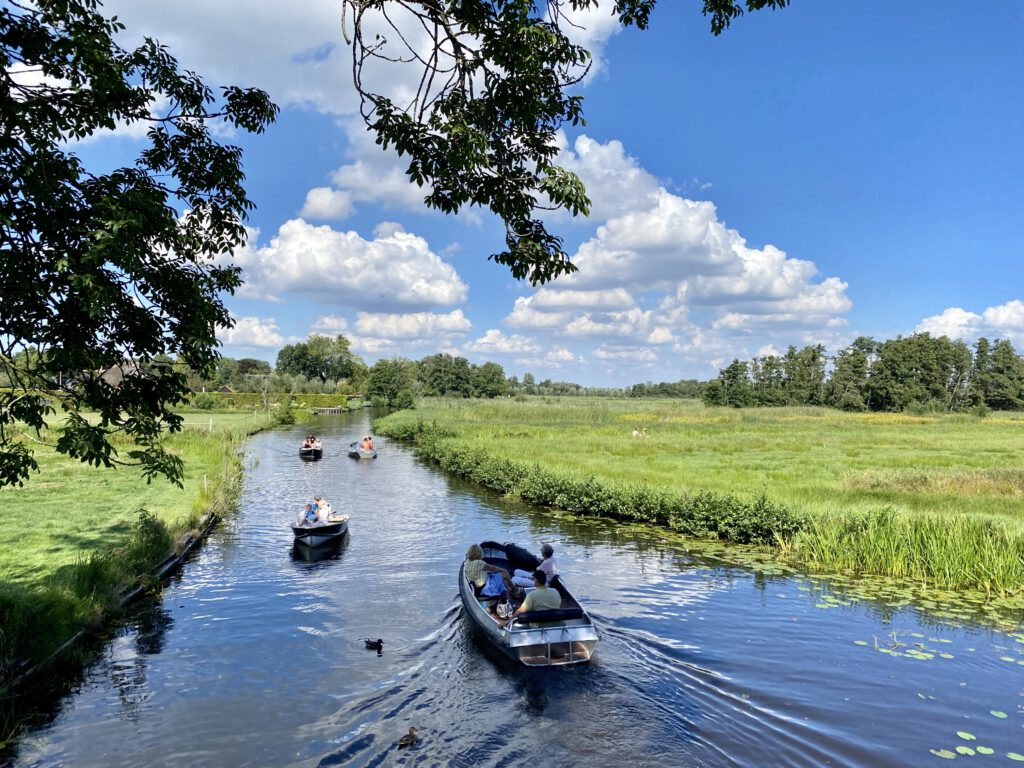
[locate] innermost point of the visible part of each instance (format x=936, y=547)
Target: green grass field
x=70, y=509
x=815, y=459
x=932, y=486
x=70, y=537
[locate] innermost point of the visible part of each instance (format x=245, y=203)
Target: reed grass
x=936, y=498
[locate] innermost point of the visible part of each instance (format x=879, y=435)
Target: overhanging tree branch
x=490, y=97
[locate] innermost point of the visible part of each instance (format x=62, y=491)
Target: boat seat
x=555, y=614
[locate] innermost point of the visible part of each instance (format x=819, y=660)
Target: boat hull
x=568, y=638
x=316, y=535
x=311, y=454
x=358, y=453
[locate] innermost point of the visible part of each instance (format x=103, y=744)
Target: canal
x=255, y=655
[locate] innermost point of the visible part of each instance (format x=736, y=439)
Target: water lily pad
x=947, y=655
x=1007, y=658
x=985, y=750
x=943, y=753
x=997, y=713
x=964, y=750
x=966, y=736
x=860, y=642
x=1015, y=756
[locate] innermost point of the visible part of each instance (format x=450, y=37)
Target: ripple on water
x=256, y=656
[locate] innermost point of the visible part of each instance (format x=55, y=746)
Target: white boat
x=565, y=635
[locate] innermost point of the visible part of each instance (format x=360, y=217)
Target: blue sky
x=836, y=169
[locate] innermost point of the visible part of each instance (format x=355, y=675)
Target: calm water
x=255, y=656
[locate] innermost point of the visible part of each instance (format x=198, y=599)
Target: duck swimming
x=375, y=645
x=408, y=740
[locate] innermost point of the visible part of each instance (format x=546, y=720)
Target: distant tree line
x=685, y=388
x=917, y=372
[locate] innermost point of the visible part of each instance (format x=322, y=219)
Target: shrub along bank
x=76, y=539
x=948, y=551
x=274, y=400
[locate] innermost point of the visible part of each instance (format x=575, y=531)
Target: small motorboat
x=561, y=636
x=357, y=452
x=329, y=527
x=311, y=452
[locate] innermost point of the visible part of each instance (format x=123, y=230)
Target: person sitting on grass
x=543, y=598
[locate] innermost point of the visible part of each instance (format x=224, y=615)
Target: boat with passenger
x=319, y=524
x=362, y=449
x=311, y=448
x=536, y=638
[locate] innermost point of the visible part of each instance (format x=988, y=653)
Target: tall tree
x=444, y=375
x=98, y=267
x=489, y=380
x=735, y=389
x=388, y=378
x=319, y=358
x=847, y=387
x=494, y=91
x=1006, y=378
x=981, y=372
x=804, y=373
x=768, y=380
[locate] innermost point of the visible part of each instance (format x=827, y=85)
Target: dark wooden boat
x=311, y=453
x=565, y=635
x=316, y=534
x=358, y=453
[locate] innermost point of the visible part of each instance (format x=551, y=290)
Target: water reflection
x=705, y=659
x=330, y=550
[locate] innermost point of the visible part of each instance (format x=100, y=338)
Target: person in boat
x=542, y=598
x=311, y=516
x=478, y=572
x=322, y=507
x=523, y=578
x=367, y=444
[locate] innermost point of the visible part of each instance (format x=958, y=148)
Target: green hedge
x=255, y=400
x=705, y=515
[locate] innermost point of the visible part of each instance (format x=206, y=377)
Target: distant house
x=115, y=374
x=227, y=389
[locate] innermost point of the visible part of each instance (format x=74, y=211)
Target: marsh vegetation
x=933, y=497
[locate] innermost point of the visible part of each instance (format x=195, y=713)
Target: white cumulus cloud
x=417, y=325
x=395, y=270
x=326, y=203
x=252, y=332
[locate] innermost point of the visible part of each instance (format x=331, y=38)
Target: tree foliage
x=918, y=372
x=390, y=379
x=319, y=357
x=98, y=270
x=496, y=84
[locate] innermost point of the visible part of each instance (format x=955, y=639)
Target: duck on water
x=536, y=638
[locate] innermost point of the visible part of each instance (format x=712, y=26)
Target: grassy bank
x=935, y=498
x=74, y=537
